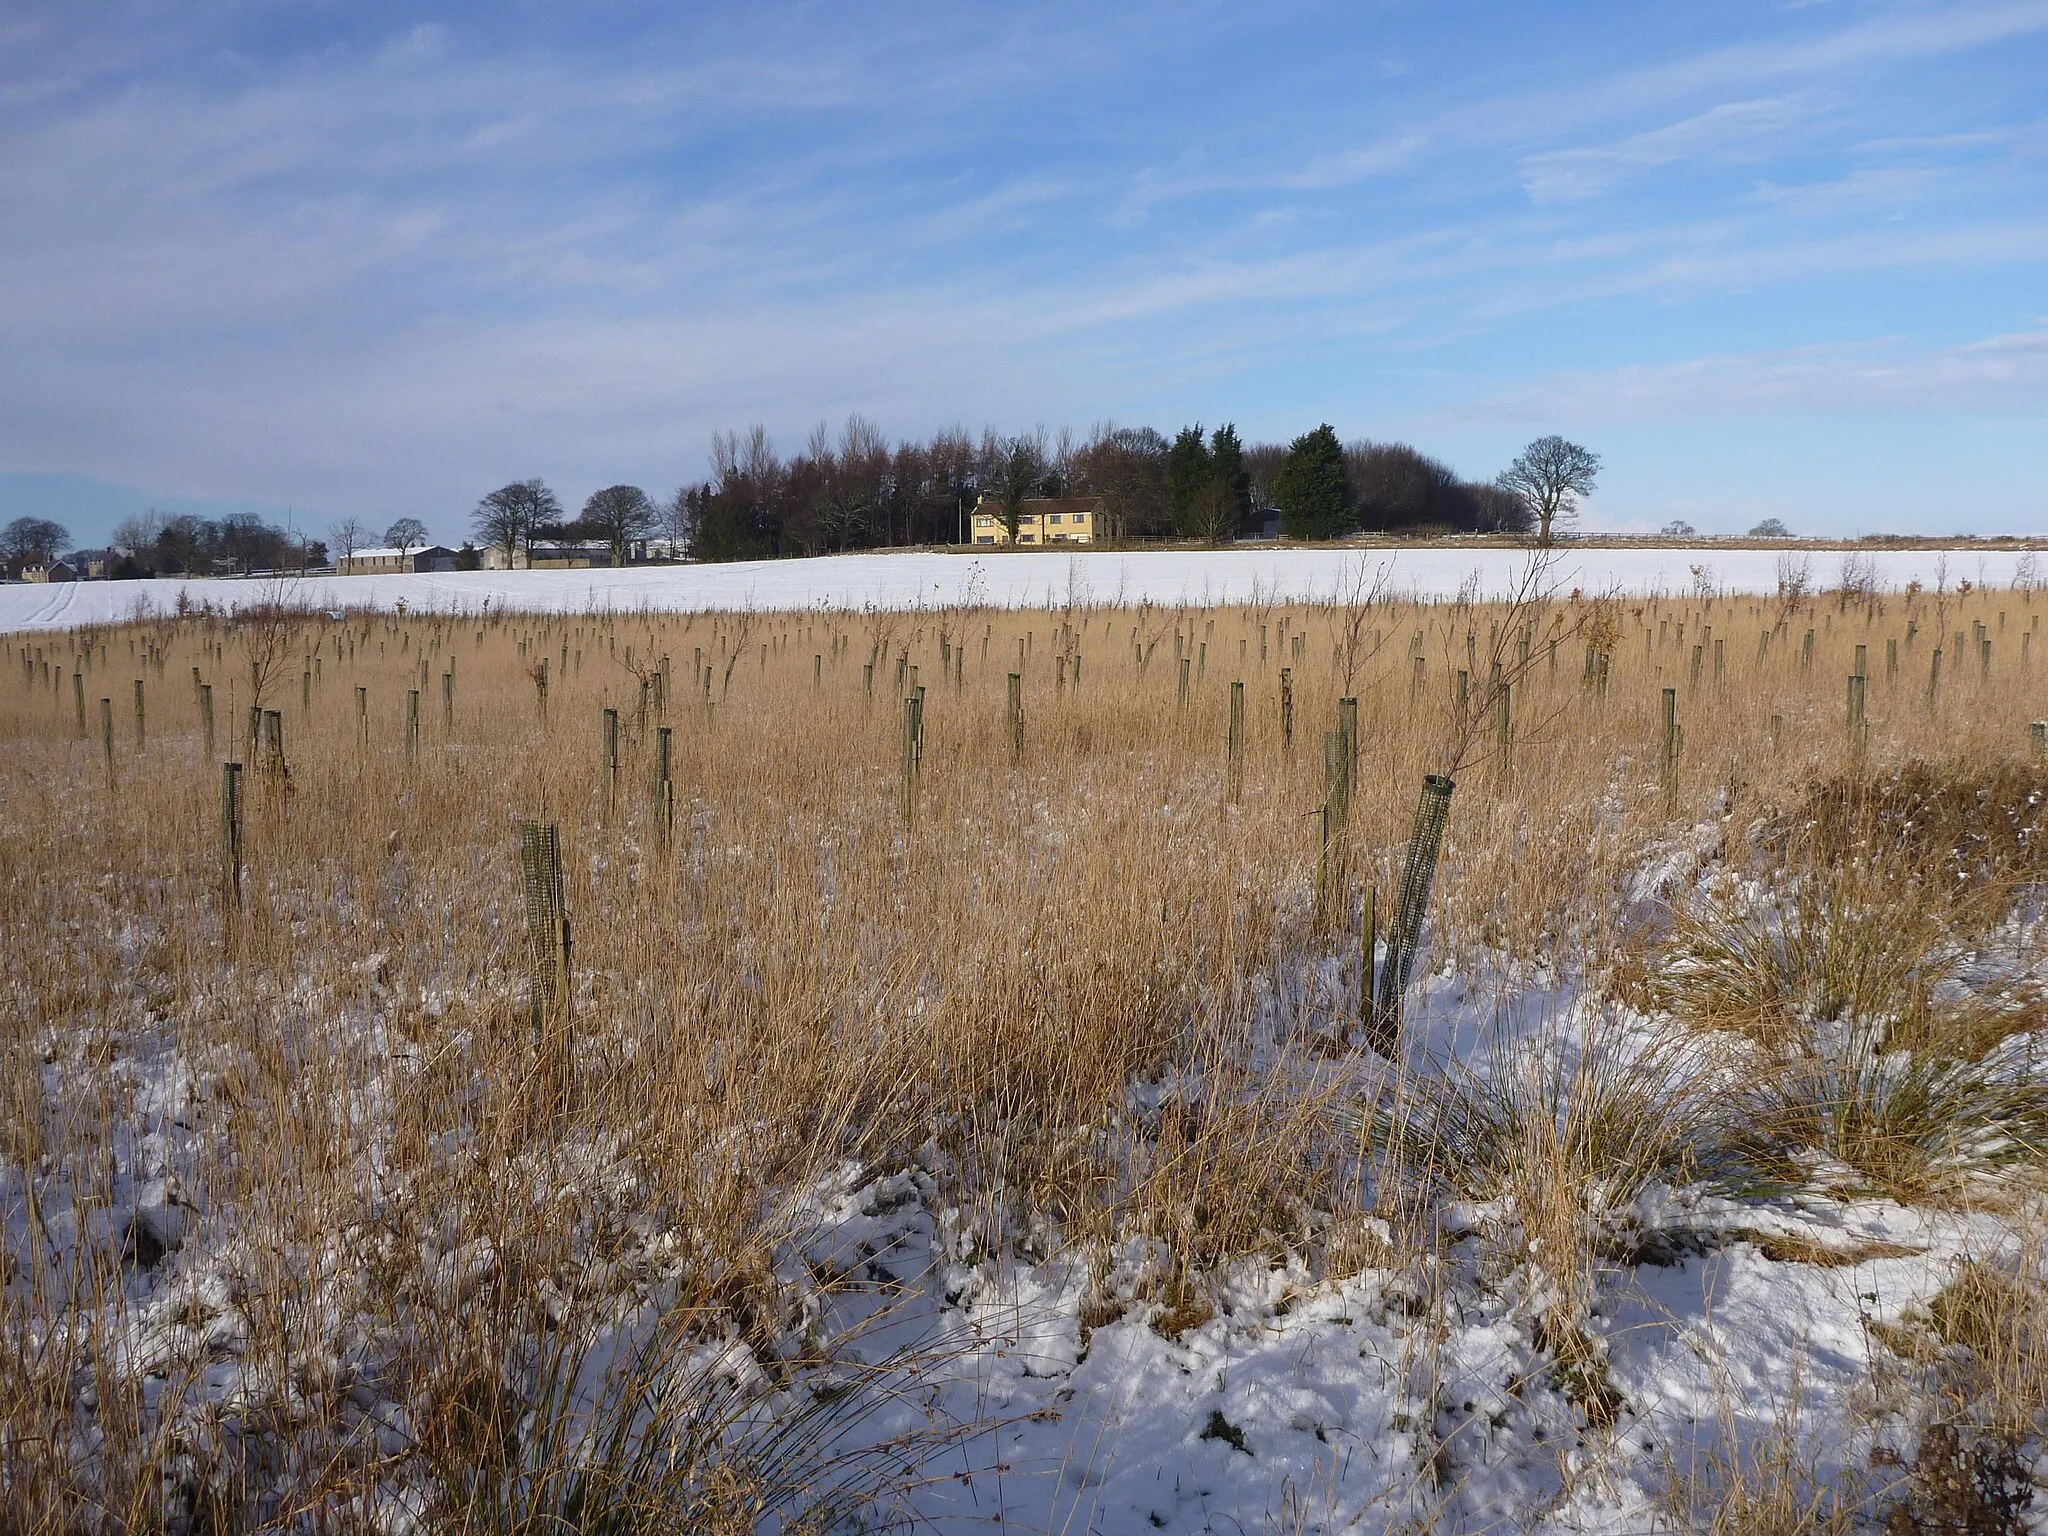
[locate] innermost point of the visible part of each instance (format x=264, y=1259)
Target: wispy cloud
x=2006, y=374
x=1735, y=131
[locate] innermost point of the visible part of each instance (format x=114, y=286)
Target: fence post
x=107, y=733
x=448, y=699
x=913, y=753
x=205, y=716
x=1337, y=776
x=1859, y=729
x=231, y=838
x=1017, y=716
x=1425, y=843
x=664, y=785
x=78, y=698
x=412, y=725
x=1235, y=785
x=138, y=715
x=1670, y=758
x=273, y=734
x=547, y=925
x=2037, y=736
x=1287, y=711
x=363, y=716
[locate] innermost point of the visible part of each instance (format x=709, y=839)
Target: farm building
x=394, y=562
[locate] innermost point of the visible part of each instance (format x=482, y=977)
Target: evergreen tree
x=1227, y=469
x=1314, y=495
x=1188, y=471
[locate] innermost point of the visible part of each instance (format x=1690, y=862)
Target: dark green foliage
x=1187, y=473
x=1207, y=484
x=1314, y=493
x=1227, y=470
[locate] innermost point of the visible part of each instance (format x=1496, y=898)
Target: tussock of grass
x=1866, y=941
x=1909, y=1125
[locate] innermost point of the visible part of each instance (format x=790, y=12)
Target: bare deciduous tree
x=348, y=536
x=29, y=539
x=1550, y=475
x=511, y=517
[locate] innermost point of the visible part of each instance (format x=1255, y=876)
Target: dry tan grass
x=798, y=975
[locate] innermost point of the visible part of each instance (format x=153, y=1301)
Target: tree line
x=155, y=543
x=858, y=491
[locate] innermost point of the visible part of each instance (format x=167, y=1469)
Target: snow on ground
x=1004, y=580
x=1405, y=1397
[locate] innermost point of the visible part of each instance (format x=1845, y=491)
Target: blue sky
x=372, y=259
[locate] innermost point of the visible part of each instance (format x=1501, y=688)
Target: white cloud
x=1734, y=131
x=424, y=44
x=2002, y=375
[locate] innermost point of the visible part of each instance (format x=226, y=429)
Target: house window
x=1024, y=538
x=1055, y=517
x=986, y=538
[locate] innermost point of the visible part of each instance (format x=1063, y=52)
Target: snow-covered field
x=1009, y=580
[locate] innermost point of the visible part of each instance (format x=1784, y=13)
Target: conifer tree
x=1314, y=495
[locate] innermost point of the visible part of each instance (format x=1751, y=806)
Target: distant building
x=566, y=555
x=1041, y=520
x=549, y=555
x=395, y=562
x=50, y=570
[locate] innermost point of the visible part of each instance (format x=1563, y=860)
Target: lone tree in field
x=406, y=535
x=620, y=515
x=511, y=517
x=1313, y=491
x=27, y=540
x=1550, y=475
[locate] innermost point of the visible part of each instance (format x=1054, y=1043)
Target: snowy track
x=1004, y=580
